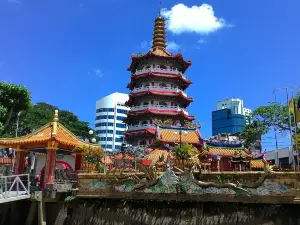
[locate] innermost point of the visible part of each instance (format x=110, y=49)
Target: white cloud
x=199, y=19
x=98, y=72
x=172, y=46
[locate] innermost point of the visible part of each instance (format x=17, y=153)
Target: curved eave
x=136, y=58
x=146, y=131
x=160, y=93
x=160, y=112
x=134, y=78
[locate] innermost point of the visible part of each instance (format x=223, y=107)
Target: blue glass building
x=223, y=121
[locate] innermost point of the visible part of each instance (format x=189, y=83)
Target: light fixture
x=91, y=132
x=94, y=140
x=298, y=125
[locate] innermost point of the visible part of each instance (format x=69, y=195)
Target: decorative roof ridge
x=153, y=152
x=229, y=148
x=177, y=128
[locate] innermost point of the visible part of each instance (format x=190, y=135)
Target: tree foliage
x=272, y=117
x=185, y=151
x=13, y=99
x=42, y=113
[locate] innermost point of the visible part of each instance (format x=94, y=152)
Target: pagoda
x=157, y=96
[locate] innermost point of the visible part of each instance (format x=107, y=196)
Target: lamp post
x=10, y=154
x=18, y=120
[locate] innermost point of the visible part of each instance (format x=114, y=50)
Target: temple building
x=157, y=96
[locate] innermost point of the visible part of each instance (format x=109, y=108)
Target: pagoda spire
x=159, y=34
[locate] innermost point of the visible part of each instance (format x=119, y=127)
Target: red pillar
x=20, y=161
x=78, y=161
x=49, y=177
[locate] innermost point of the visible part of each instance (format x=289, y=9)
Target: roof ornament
x=54, y=123
x=159, y=34
x=55, y=118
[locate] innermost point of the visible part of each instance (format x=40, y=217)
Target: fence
x=14, y=187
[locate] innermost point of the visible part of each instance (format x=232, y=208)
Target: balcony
x=158, y=107
x=158, y=70
x=158, y=88
x=140, y=127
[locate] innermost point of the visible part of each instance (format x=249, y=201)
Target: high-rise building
x=230, y=116
x=157, y=99
x=236, y=106
x=110, y=114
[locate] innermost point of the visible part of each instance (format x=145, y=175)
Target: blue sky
x=70, y=53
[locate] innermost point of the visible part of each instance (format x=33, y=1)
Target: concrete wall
x=129, y=212
x=40, y=160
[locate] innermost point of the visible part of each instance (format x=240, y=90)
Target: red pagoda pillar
x=78, y=161
x=49, y=177
x=20, y=161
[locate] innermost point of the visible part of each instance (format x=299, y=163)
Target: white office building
x=235, y=104
x=109, y=125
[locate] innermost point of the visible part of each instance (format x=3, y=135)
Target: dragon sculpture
x=182, y=177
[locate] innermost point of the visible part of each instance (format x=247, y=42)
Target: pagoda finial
x=54, y=123
x=55, y=118
x=159, y=34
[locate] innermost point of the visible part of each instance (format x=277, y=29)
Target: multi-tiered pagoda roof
x=157, y=86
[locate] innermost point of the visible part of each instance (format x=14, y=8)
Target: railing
x=140, y=126
x=14, y=187
x=65, y=176
x=159, y=107
x=159, y=70
x=135, y=90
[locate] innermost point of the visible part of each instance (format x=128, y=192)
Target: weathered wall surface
x=116, y=212
x=278, y=187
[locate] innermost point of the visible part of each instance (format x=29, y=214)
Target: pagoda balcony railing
x=159, y=88
x=140, y=126
x=158, y=70
x=158, y=107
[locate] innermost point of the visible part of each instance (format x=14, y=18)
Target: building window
x=117, y=147
x=104, y=117
x=109, y=138
x=146, y=103
x=102, y=138
x=108, y=146
x=144, y=122
x=121, y=118
x=104, y=131
x=104, y=124
x=121, y=125
x=162, y=104
x=119, y=132
x=119, y=139
x=122, y=111
x=105, y=110
x=162, y=85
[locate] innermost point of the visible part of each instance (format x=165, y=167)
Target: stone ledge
x=271, y=199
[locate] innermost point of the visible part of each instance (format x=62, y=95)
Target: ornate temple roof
x=159, y=112
x=159, y=45
x=171, y=136
x=51, y=132
x=257, y=164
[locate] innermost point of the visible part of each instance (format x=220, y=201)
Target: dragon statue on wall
x=180, y=177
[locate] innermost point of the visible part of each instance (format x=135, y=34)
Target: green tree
x=13, y=99
x=185, y=151
x=42, y=113
x=273, y=117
